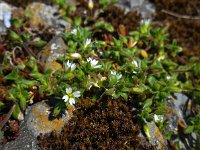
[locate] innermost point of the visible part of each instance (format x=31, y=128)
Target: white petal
x=134, y=72
x=113, y=72
x=135, y=63
x=77, y=94
x=119, y=76
x=89, y=59
x=88, y=41
x=168, y=77
x=69, y=90
x=74, y=31
x=72, y=101
x=73, y=67
x=66, y=97
x=98, y=66
x=94, y=62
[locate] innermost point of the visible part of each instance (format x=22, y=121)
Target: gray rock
x=25, y=141
x=53, y=50
x=36, y=122
x=178, y=108
x=156, y=137
x=42, y=14
x=5, y=16
x=142, y=6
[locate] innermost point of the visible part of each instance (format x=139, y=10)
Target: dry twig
x=180, y=16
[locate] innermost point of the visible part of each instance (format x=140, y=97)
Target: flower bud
x=90, y=4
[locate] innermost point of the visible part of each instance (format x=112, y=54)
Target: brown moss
x=104, y=125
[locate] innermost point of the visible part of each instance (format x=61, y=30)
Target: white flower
x=145, y=21
x=88, y=41
x=71, y=66
x=70, y=96
x=158, y=118
x=168, y=77
x=74, y=31
x=136, y=64
x=161, y=57
x=118, y=75
x=93, y=63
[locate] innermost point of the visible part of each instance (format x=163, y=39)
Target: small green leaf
x=110, y=91
x=124, y=95
x=196, y=69
x=22, y=102
x=112, y=80
x=58, y=108
x=104, y=25
x=147, y=103
x=39, y=43
x=147, y=131
x=189, y=130
x=2, y=105
x=14, y=75
x=15, y=37
x=138, y=90
x=17, y=113
x=16, y=22
x=26, y=36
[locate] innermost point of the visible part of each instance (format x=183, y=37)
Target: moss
x=103, y=125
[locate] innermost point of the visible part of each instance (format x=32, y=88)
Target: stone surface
x=25, y=141
x=52, y=51
x=178, y=108
x=5, y=16
x=36, y=121
x=46, y=15
x=156, y=137
x=142, y=6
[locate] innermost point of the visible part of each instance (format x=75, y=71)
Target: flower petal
x=72, y=101
x=135, y=63
x=73, y=67
x=89, y=59
x=77, y=94
x=98, y=66
x=94, y=62
x=69, y=90
x=65, y=97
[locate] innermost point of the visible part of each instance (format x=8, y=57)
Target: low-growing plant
x=137, y=68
